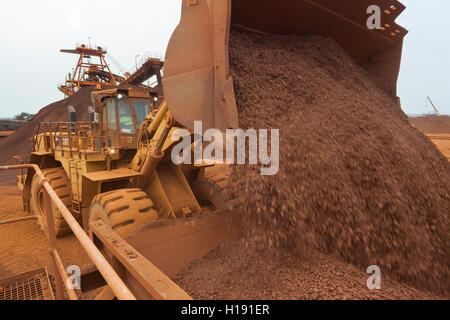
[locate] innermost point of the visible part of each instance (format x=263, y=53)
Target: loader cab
x=123, y=112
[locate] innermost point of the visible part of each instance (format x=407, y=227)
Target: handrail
x=60, y=266
x=116, y=284
x=50, y=133
x=143, y=59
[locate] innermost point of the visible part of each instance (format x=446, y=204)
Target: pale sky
x=425, y=69
x=32, y=32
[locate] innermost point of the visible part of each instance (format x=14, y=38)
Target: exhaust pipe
x=96, y=141
x=91, y=114
x=72, y=117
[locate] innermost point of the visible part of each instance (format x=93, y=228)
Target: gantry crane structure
x=88, y=73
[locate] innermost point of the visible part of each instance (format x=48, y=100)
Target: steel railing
x=82, y=136
x=143, y=59
x=115, y=283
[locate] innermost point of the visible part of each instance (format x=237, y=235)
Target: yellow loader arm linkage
x=197, y=83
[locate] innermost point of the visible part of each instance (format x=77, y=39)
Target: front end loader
x=118, y=168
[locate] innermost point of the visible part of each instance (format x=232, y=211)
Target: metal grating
x=33, y=285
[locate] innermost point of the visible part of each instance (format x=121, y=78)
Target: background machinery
x=98, y=73
x=436, y=111
x=86, y=72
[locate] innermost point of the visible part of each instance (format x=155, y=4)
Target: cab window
x=141, y=110
x=125, y=119
x=111, y=114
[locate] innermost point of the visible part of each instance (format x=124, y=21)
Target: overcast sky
x=32, y=32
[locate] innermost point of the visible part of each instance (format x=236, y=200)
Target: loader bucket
x=197, y=83
x=173, y=244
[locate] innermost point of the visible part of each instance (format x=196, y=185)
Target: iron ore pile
x=20, y=142
x=431, y=124
x=357, y=183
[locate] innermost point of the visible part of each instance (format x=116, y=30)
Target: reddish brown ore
x=357, y=182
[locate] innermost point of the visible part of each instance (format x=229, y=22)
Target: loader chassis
x=119, y=162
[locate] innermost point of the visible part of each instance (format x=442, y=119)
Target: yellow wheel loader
x=117, y=167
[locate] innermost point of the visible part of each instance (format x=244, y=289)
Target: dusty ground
x=23, y=247
x=437, y=129
x=442, y=142
x=431, y=124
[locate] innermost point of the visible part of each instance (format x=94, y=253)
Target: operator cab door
x=141, y=108
x=121, y=132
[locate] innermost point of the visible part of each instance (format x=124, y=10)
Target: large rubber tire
x=124, y=210
x=59, y=181
x=213, y=191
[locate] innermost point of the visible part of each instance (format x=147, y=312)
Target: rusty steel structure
x=151, y=65
x=88, y=73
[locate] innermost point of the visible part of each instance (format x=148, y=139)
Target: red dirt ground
x=431, y=124
x=23, y=246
